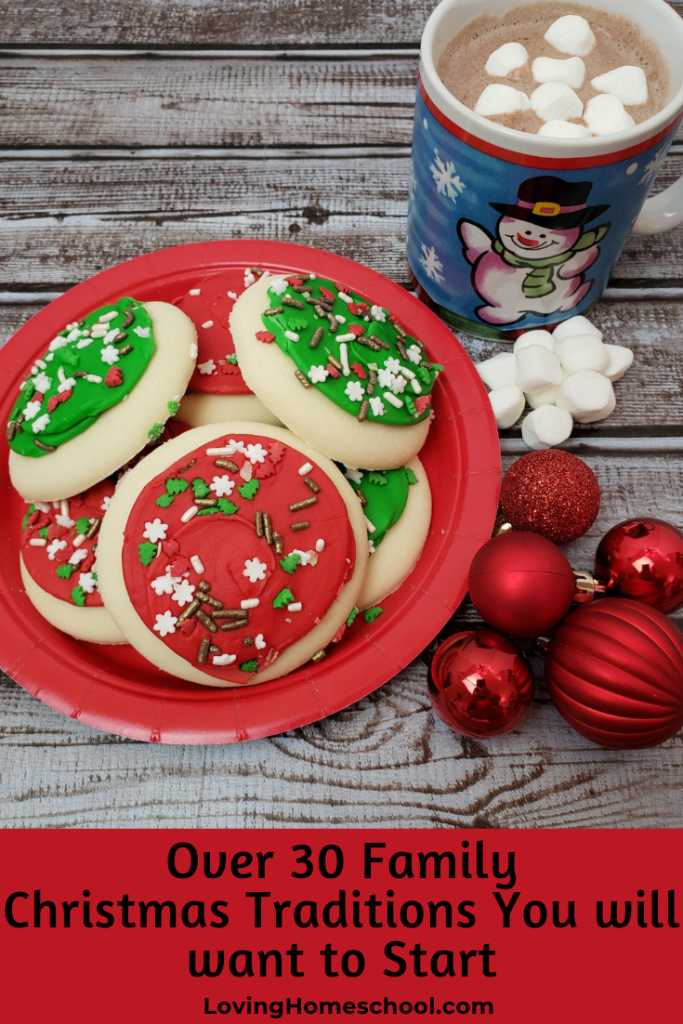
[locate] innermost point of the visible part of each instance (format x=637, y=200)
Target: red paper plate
x=114, y=688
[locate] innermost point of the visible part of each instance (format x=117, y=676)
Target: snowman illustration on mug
x=538, y=261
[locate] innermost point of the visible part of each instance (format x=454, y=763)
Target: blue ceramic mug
x=509, y=231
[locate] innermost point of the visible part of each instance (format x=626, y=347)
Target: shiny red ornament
x=550, y=492
x=480, y=683
x=643, y=559
x=521, y=584
x=614, y=670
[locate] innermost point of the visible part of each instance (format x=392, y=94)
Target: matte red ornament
x=480, y=683
x=521, y=584
x=550, y=492
x=643, y=559
x=614, y=670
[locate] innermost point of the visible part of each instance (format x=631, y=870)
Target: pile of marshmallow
x=555, y=101
x=565, y=376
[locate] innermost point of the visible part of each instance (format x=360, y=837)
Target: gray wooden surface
x=132, y=126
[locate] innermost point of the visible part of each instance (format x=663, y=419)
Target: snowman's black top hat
x=552, y=202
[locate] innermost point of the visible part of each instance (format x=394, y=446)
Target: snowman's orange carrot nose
x=531, y=242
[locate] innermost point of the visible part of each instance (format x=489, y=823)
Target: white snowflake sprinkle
x=164, y=584
x=354, y=391
x=66, y=385
x=377, y=313
x=222, y=486
x=232, y=295
x=256, y=453
x=58, y=343
x=40, y=424
x=371, y=546
x=109, y=355
x=447, y=181
x=42, y=383
x=259, y=642
x=377, y=406
x=254, y=570
x=414, y=353
x=78, y=556
x=109, y=337
x=652, y=167
x=354, y=475
x=165, y=623
x=142, y=332
x=208, y=367
x=279, y=287
x=32, y=409
x=155, y=531
x=398, y=385
x=235, y=446
x=87, y=583
x=431, y=263
x=392, y=364
x=106, y=502
x=66, y=521
x=224, y=659
x=318, y=374
x=54, y=547
x=385, y=378
x=182, y=592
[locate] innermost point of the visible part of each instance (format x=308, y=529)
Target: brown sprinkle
x=212, y=601
x=298, y=505
x=333, y=323
x=399, y=330
x=300, y=288
x=92, y=529
x=79, y=373
x=363, y=411
x=204, y=585
x=318, y=656
x=380, y=342
x=420, y=343
x=372, y=380
x=81, y=323
x=184, y=469
x=214, y=650
x=259, y=523
x=267, y=528
x=427, y=365
x=294, y=303
x=301, y=525
x=279, y=547
x=11, y=430
x=315, y=340
x=206, y=502
x=129, y=319
x=227, y=464
x=121, y=336
x=333, y=361
x=227, y=627
x=189, y=610
x=44, y=447
x=203, y=652
x=248, y=641
x=402, y=351
x=361, y=497
x=274, y=311
x=207, y=622
x=302, y=378
x=20, y=418
x=257, y=271
x=125, y=350
x=229, y=613
x=312, y=484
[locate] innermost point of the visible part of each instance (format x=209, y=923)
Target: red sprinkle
x=37, y=397
x=332, y=370
x=356, y=329
x=265, y=336
x=114, y=377
x=327, y=294
x=358, y=309
x=294, y=280
x=358, y=370
x=423, y=402
x=56, y=400
x=339, y=634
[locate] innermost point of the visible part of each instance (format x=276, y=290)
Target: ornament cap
x=588, y=586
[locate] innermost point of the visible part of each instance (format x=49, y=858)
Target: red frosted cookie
x=217, y=391
x=59, y=563
x=232, y=554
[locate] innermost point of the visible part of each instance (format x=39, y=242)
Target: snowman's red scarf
x=539, y=281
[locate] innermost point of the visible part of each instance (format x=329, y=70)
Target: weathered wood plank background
x=133, y=126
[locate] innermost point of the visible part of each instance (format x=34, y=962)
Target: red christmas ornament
x=480, y=683
x=521, y=584
x=643, y=559
x=550, y=492
x=615, y=672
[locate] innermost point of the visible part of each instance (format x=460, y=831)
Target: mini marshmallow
x=587, y=396
x=605, y=115
x=582, y=352
x=546, y=426
x=563, y=130
x=620, y=359
x=555, y=102
x=501, y=99
x=498, y=371
x=537, y=369
x=627, y=82
x=571, y=34
x=544, y=338
x=507, y=404
x=569, y=72
x=573, y=326
x=505, y=59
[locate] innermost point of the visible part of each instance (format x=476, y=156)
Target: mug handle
x=661, y=212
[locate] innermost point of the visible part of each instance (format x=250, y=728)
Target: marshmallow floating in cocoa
x=627, y=83
x=571, y=34
x=555, y=102
x=505, y=59
x=563, y=130
x=507, y=404
x=605, y=115
x=501, y=99
x=546, y=426
x=571, y=71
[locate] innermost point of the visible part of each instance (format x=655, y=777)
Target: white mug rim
x=537, y=145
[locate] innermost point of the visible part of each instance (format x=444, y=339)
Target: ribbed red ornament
x=521, y=584
x=614, y=670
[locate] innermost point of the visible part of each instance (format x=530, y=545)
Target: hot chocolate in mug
x=475, y=184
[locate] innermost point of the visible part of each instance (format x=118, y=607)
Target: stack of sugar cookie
x=227, y=549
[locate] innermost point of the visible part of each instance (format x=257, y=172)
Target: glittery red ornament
x=550, y=492
x=614, y=670
x=480, y=683
x=643, y=559
x=521, y=584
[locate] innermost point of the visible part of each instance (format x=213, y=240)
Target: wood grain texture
x=64, y=220
x=209, y=23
